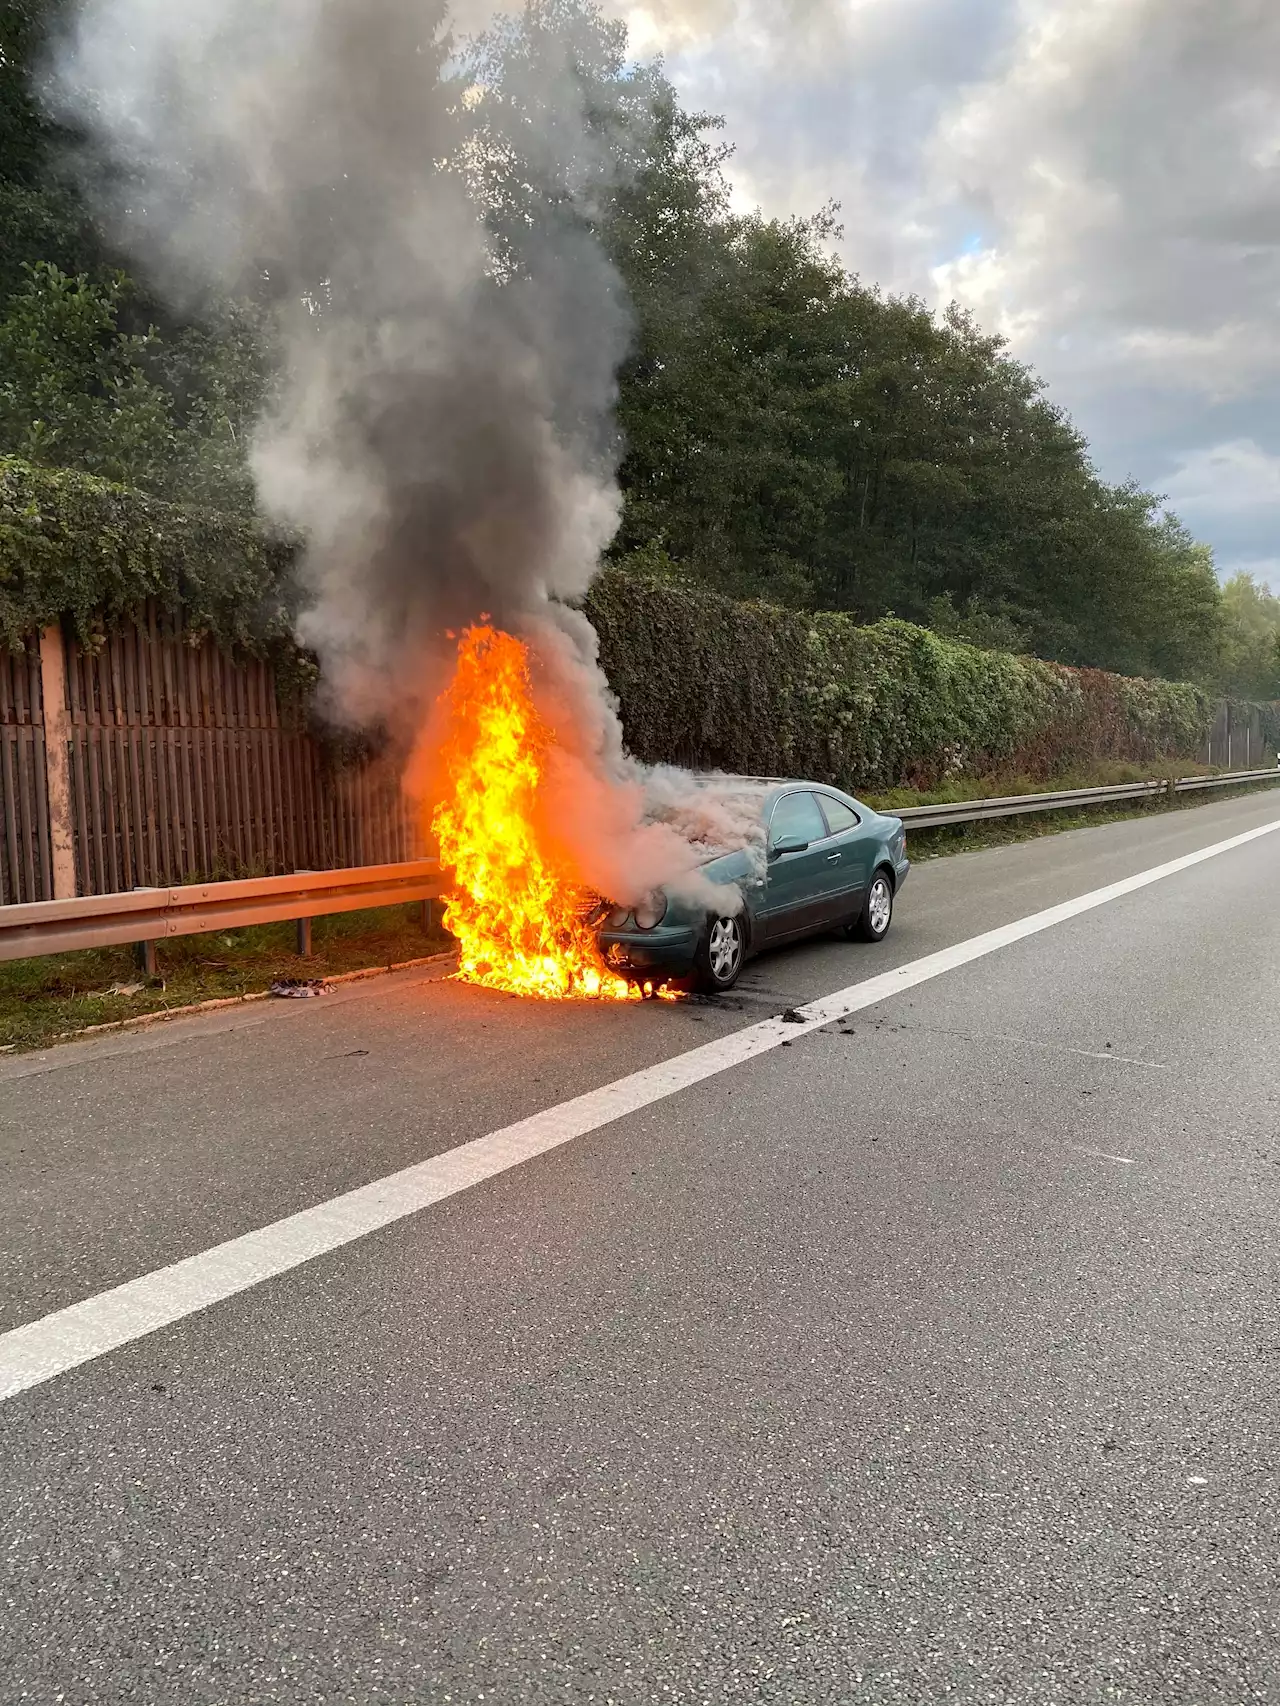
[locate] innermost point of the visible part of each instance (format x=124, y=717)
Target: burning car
x=822, y=861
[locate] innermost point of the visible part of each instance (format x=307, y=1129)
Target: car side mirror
x=788, y=844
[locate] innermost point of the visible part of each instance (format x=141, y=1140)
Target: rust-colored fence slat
x=11, y=884
x=26, y=864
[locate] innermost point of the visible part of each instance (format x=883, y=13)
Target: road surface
x=933, y=1356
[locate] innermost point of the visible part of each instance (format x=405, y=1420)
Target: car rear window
x=838, y=815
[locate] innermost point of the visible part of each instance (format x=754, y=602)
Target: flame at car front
x=519, y=917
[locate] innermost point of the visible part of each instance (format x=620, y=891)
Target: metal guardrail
x=153, y=915
x=1014, y=805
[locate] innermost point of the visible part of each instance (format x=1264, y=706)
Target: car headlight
x=651, y=911
x=618, y=919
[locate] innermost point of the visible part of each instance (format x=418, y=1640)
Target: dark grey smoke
x=443, y=431
x=449, y=329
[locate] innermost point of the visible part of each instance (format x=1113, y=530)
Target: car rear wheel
x=872, y=923
x=721, y=954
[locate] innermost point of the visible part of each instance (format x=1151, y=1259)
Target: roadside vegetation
x=788, y=432
x=46, y=1000
x=758, y=689
x=1002, y=784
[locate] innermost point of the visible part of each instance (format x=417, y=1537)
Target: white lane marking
x=44, y=1349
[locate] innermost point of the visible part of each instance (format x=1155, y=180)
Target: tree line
x=787, y=432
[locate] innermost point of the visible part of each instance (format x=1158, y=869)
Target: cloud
x=1227, y=479
x=1231, y=493
x=1125, y=160
x=1097, y=179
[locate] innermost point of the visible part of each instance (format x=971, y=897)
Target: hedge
x=701, y=680
x=750, y=688
x=79, y=547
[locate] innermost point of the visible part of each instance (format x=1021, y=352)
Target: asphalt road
x=933, y=1357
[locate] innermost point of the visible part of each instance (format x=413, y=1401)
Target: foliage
x=96, y=373
x=43, y=1000
x=73, y=387
x=787, y=432
x=43, y=214
x=755, y=688
x=170, y=416
x=702, y=680
x=77, y=546
x=1250, y=662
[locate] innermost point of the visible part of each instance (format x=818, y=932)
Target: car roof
x=765, y=781
x=775, y=784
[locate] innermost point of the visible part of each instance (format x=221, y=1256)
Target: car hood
x=744, y=866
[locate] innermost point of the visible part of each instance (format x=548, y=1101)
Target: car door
x=794, y=899
x=849, y=858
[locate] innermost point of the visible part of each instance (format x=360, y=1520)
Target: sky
x=1099, y=180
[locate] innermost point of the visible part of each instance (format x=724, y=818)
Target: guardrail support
x=144, y=954
x=304, y=938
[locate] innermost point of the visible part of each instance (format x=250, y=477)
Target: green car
x=821, y=861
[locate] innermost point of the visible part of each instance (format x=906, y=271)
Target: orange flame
x=515, y=913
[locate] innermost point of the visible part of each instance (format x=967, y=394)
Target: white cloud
x=1228, y=478
x=1097, y=179
x=1229, y=493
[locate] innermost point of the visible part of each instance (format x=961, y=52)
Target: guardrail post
x=302, y=940
x=57, y=760
x=144, y=954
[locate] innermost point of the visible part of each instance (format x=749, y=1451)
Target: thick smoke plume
x=421, y=219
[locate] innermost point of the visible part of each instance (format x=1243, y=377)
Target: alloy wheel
x=725, y=948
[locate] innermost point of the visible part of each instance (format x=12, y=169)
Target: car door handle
x=832, y=857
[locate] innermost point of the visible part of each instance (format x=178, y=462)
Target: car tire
x=872, y=923
x=722, y=952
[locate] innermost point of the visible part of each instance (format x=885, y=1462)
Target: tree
x=74, y=389
x=784, y=430
x=1249, y=661
x=42, y=213
x=78, y=390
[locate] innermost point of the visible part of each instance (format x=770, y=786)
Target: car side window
x=838, y=815
x=796, y=818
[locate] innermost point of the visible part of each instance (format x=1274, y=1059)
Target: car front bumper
x=668, y=951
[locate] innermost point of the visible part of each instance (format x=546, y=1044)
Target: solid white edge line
x=41, y=1350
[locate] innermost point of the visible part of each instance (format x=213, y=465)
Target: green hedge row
x=751, y=688
x=74, y=546
x=701, y=680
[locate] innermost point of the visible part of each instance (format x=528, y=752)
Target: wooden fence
x=152, y=761
x=26, y=861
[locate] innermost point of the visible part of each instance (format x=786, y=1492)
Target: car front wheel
x=872, y=923
x=720, y=955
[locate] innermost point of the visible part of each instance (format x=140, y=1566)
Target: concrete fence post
x=57, y=758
